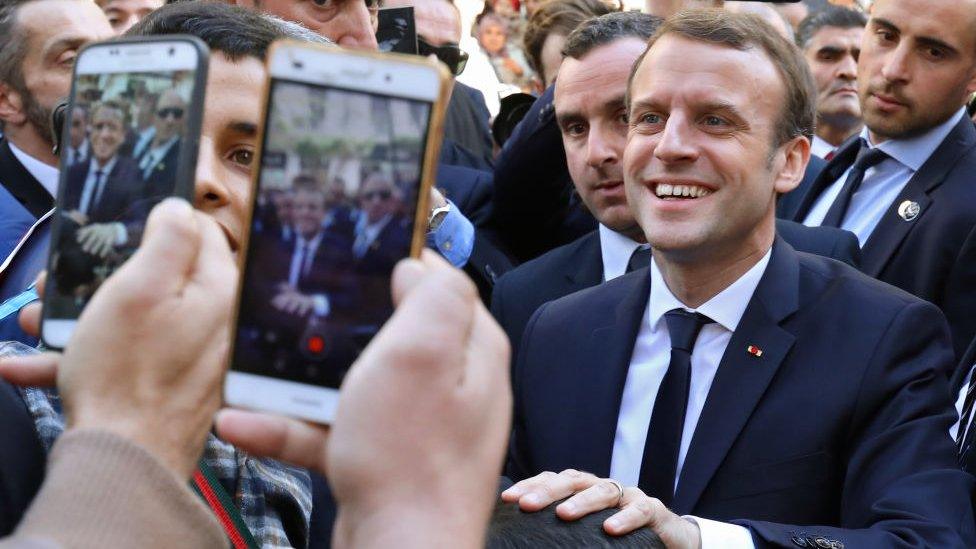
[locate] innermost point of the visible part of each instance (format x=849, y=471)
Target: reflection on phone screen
x=335, y=210
x=120, y=160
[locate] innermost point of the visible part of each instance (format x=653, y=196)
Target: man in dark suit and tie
x=904, y=185
x=594, y=136
x=158, y=162
x=302, y=284
x=746, y=394
x=96, y=215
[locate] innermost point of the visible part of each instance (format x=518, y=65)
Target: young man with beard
x=39, y=40
x=904, y=184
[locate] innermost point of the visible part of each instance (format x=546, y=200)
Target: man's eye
x=714, y=121
x=575, y=129
x=322, y=3
x=650, y=119
x=243, y=157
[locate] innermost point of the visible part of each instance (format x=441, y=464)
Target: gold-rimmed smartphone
x=346, y=162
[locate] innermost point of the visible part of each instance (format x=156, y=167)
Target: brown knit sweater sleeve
x=103, y=491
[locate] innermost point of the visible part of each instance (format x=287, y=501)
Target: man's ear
x=797, y=156
x=11, y=106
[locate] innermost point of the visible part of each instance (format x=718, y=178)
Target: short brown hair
x=557, y=17
x=743, y=31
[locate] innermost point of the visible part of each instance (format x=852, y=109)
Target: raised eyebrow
x=565, y=118
x=63, y=44
x=881, y=22
x=832, y=49
x=247, y=128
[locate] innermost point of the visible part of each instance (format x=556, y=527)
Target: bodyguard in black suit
x=780, y=399
x=116, y=187
x=914, y=209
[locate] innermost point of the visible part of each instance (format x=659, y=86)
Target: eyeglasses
x=450, y=54
x=175, y=112
x=372, y=195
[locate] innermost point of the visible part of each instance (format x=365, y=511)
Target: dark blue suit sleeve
x=516, y=466
x=902, y=486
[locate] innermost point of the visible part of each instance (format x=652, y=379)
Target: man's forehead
x=950, y=21
x=47, y=21
x=606, y=66
x=704, y=72
x=830, y=34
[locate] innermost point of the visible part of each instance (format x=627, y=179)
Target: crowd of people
x=714, y=288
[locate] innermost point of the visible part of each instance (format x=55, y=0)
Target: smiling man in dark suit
x=744, y=393
x=904, y=185
x=590, y=111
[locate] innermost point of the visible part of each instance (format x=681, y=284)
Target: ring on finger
x=620, y=491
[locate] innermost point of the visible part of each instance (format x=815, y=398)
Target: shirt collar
x=313, y=243
x=46, y=175
x=915, y=151
x=93, y=166
x=820, y=148
x=726, y=308
x=615, y=250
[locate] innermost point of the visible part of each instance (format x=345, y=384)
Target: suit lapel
x=21, y=184
x=585, y=268
x=962, y=370
x=742, y=377
x=893, y=228
x=846, y=154
x=601, y=378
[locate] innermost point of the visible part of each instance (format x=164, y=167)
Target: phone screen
x=120, y=157
x=335, y=209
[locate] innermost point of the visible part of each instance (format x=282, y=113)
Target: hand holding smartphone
x=131, y=141
x=345, y=167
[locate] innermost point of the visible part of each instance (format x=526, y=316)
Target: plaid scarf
x=274, y=499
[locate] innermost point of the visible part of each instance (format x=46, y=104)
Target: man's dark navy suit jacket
x=839, y=429
x=579, y=265
x=933, y=255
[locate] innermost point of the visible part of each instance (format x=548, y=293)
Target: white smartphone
x=346, y=160
x=130, y=140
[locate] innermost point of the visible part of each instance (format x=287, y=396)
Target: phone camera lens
x=298, y=64
x=389, y=78
x=172, y=52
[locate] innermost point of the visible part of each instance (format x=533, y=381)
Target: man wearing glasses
x=158, y=162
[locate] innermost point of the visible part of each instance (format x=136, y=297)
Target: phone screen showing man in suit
x=120, y=160
x=335, y=210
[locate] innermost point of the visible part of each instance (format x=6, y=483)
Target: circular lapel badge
x=909, y=210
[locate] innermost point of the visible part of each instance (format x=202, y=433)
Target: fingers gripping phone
x=130, y=140
x=346, y=161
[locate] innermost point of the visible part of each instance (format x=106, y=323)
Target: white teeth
x=665, y=190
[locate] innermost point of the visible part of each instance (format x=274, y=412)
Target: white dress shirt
x=882, y=183
x=46, y=175
x=300, y=266
x=90, y=193
x=960, y=402
x=648, y=365
x=615, y=251
x=821, y=148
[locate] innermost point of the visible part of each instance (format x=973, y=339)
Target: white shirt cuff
x=121, y=235
x=722, y=535
x=321, y=305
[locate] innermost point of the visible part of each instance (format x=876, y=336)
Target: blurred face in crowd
x=228, y=139
x=917, y=64
x=79, y=127
x=335, y=192
x=592, y=117
x=284, y=203
x=170, y=111
x=378, y=199
x=552, y=57
x=832, y=54
x=701, y=165
x=107, y=133
x=492, y=37
x=54, y=31
x=308, y=212
x=348, y=23
x=123, y=14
